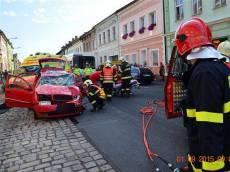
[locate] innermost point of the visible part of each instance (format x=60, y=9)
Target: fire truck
x=175, y=87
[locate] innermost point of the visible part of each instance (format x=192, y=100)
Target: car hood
x=53, y=89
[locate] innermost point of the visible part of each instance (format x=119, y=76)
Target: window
x=125, y=29
x=108, y=34
x=132, y=26
x=220, y=3
x=197, y=6
x=101, y=60
x=152, y=18
x=105, y=58
x=179, y=9
x=99, y=39
x=94, y=44
x=143, y=60
x=142, y=22
x=104, y=38
x=134, y=59
x=114, y=32
x=154, y=57
x=127, y=58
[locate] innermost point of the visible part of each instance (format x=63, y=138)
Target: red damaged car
x=52, y=94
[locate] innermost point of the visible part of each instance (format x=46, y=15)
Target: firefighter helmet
x=192, y=34
x=108, y=63
x=88, y=82
x=224, y=48
x=122, y=59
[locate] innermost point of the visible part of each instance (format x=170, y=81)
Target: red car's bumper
x=59, y=110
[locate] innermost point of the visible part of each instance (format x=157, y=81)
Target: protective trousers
x=96, y=101
x=125, y=88
x=108, y=88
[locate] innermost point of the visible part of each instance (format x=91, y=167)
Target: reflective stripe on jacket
x=108, y=75
x=125, y=71
x=208, y=115
x=95, y=90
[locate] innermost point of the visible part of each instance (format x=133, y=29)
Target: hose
x=149, y=111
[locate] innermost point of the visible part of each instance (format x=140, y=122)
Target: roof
x=7, y=40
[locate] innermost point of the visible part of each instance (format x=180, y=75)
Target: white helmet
x=122, y=59
x=224, y=48
x=108, y=63
x=88, y=82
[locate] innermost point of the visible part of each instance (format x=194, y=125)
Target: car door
x=175, y=90
x=20, y=90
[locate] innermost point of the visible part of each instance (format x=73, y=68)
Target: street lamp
x=17, y=48
x=13, y=38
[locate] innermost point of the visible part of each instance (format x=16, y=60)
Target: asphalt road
x=117, y=132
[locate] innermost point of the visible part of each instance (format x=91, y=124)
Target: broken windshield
x=62, y=80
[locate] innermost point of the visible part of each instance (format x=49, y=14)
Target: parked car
x=51, y=94
x=144, y=75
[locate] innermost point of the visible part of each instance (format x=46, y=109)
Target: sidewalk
x=45, y=145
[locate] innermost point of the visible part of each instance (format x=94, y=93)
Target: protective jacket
x=108, y=75
x=88, y=71
x=77, y=71
x=125, y=71
x=95, y=91
x=208, y=116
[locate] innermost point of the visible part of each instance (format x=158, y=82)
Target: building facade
x=141, y=33
x=107, y=40
x=6, y=53
x=214, y=12
x=74, y=47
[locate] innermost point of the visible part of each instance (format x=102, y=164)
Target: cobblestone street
x=45, y=145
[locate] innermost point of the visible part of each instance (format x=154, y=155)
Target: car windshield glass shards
x=62, y=80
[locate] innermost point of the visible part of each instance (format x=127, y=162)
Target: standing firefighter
x=95, y=94
x=208, y=98
x=108, y=76
x=125, y=76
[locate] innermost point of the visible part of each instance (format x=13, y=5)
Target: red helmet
x=192, y=34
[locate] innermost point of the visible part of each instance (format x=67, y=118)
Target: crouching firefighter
x=208, y=99
x=107, y=77
x=96, y=95
x=125, y=77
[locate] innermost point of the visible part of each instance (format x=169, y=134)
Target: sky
x=46, y=25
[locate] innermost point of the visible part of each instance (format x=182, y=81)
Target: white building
x=74, y=47
x=6, y=53
x=107, y=41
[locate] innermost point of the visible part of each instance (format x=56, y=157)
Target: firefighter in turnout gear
x=125, y=76
x=96, y=95
x=208, y=98
x=108, y=76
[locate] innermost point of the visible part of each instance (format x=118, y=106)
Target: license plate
x=44, y=103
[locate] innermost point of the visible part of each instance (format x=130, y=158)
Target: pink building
x=141, y=33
